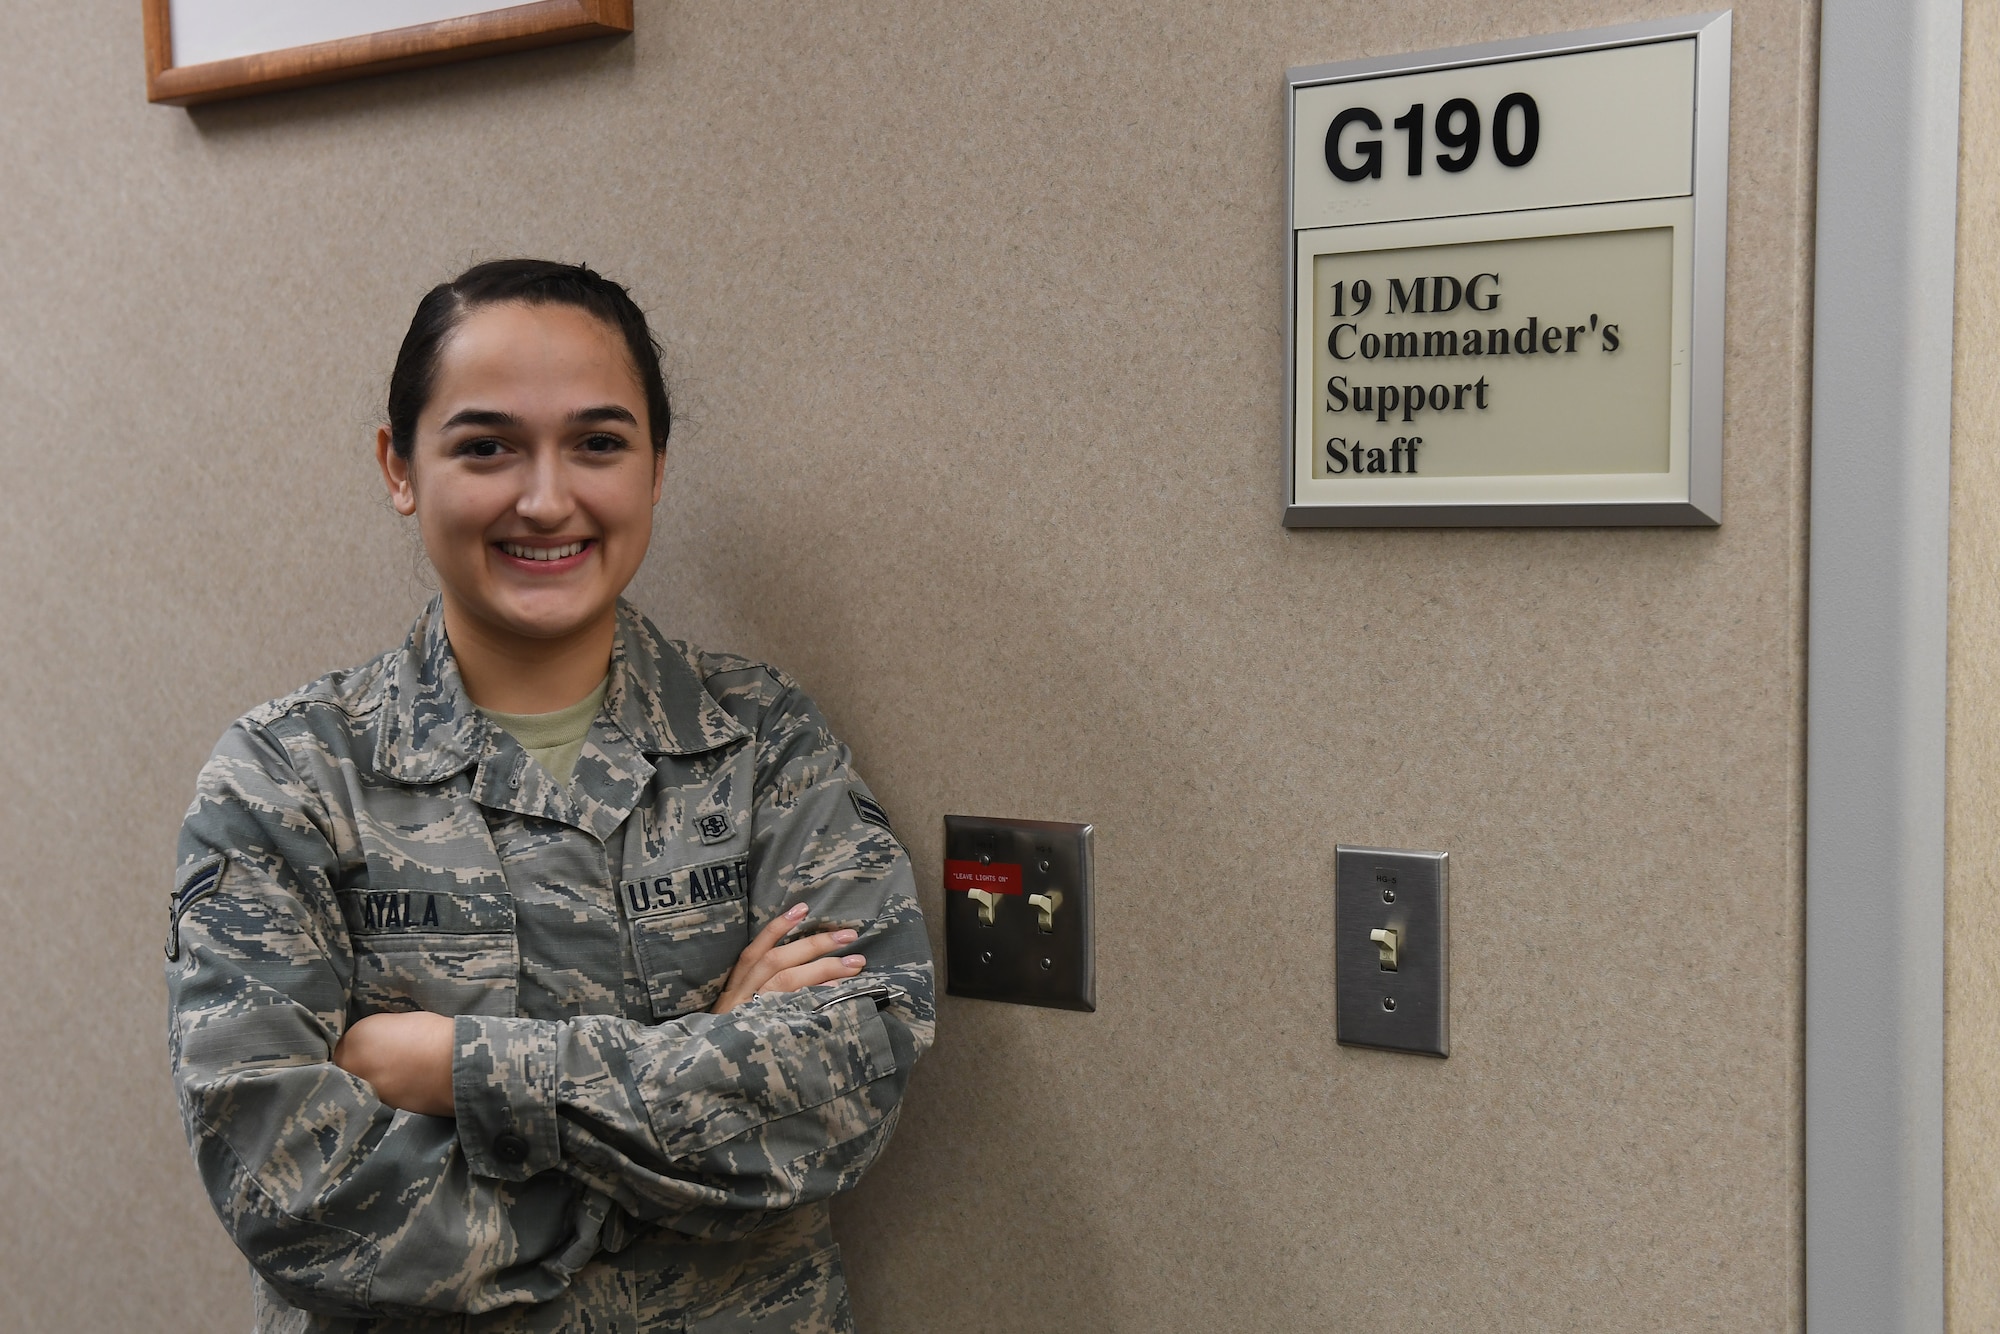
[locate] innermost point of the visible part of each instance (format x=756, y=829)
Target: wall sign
x=1505, y=295
x=207, y=50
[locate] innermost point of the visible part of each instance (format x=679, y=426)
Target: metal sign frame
x=1702, y=504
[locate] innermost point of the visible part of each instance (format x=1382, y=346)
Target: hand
x=766, y=966
x=406, y=1059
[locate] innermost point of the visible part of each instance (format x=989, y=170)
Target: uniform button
x=510, y=1149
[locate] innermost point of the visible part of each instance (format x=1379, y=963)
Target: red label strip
x=993, y=877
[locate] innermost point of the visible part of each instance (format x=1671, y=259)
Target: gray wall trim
x=1875, y=714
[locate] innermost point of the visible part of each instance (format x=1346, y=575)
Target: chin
x=551, y=622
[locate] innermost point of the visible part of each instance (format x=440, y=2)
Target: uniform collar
x=430, y=730
x=655, y=702
x=657, y=696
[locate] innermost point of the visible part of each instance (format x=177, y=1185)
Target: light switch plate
x=1405, y=893
x=1018, y=862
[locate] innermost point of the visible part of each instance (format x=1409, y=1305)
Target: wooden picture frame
x=503, y=27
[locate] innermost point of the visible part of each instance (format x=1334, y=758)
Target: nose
x=545, y=500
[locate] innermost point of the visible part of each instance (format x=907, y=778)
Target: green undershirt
x=554, y=739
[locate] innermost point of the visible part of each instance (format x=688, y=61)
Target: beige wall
x=1972, y=839
x=973, y=311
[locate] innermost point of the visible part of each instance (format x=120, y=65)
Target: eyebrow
x=481, y=417
x=496, y=420
x=608, y=412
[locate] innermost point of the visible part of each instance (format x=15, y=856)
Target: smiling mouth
x=520, y=552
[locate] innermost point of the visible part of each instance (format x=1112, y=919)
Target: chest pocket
x=449, y=953
x=688, y=926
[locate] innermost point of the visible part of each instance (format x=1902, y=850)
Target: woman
x=544, y=973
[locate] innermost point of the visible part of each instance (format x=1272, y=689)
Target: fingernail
x=854, y=960
x=842, y=937
x=796, y=911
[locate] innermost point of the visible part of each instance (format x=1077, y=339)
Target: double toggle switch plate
x=1017, y=912
x=1391, y=953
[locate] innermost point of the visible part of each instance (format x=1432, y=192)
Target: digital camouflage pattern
x=621, y=1159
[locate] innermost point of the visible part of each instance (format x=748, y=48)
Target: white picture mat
x=209, y=30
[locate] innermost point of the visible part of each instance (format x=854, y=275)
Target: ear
x=659, y=473
x=396, y=474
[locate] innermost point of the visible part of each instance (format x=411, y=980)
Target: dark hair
x=535, y=282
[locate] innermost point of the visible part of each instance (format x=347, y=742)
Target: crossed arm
x=348, y=1200
x=406, y=1057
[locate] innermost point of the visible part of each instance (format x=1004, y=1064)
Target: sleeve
x=710, y=1124
x=346, y=1206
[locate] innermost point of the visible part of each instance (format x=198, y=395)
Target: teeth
x=520, y=552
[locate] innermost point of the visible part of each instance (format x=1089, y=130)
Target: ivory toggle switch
x=985, y=903
x=1385, y=941
x=1045, y=906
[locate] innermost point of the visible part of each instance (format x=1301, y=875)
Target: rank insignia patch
x=207, y=875
x=713, y=827
x=870, y=811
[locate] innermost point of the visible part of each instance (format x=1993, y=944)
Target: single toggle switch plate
x=1391, y=950
x=1034, y=878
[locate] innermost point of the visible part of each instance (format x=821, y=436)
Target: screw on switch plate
x=1391, y=951
x=1017, y=912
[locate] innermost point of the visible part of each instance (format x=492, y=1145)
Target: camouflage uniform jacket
x=621, y=1160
